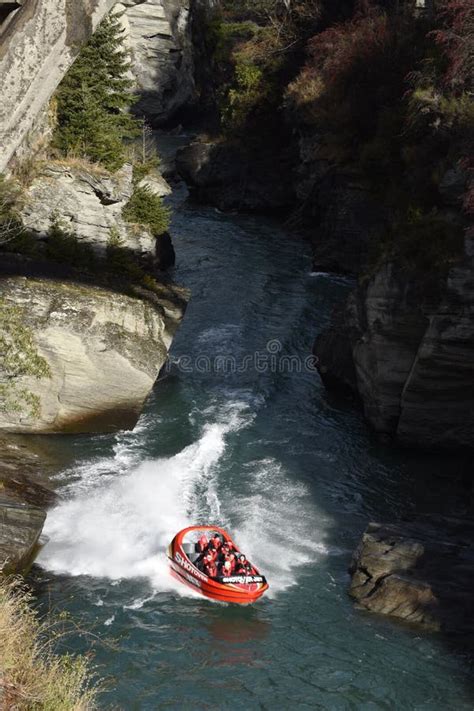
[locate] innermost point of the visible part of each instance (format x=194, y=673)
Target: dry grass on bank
x=32, y=676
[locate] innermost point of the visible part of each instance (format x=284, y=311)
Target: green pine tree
x=94, y=99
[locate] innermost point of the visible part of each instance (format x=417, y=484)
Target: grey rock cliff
x=104, y=350
x=413, y=352
x=39, y=42
x=158, y=33
x=37, y=46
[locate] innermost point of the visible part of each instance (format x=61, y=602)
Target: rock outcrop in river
x=232, y=179
x=422, y=572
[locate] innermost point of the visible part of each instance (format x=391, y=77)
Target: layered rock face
x=421, y=571
x=88, y=204
x=158, y=33
x=41, y=39
x=104, y=351
x=413, y=353
x=37, y=46
x=23, y=501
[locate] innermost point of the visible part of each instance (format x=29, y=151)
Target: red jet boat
x=183, y=553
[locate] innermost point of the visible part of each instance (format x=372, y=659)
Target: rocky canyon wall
x=41, y=38
x=37, y=46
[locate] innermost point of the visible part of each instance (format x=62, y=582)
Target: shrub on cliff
x=146, y=208
x=456, y=37
x=19, y=357
x=32, y=675
x=94, y=99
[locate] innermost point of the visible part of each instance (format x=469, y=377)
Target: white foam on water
x=119, y=516
x=332, y=276
x=280, y=529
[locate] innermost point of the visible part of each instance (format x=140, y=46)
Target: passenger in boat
x=244, y=567
x=201, y=547
x=203, y=543
x=210, y=567
x=230, y=557
x=213, y=548
x=226, y=569
x=215, y=542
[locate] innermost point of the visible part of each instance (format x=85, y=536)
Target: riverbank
x=32, y=675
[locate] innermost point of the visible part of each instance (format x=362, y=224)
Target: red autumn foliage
x=336, y=51
x=354, y=71
x=456, y=37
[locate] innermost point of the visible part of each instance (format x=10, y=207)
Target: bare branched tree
x=10, y=224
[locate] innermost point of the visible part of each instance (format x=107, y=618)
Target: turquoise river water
x=239, y=434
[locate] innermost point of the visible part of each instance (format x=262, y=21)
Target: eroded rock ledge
x=24, y=497
x=421, y=571
x=407, y=348
x=104, y=351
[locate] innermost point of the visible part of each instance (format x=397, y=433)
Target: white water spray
x=280, y=528
x=120, y=515
x=120, y=528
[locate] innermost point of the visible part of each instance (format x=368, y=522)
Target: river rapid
x=241, y=433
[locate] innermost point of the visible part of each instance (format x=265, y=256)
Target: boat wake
x=119, y=514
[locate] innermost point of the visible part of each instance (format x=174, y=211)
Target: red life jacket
x=211, y=570
x=245, y=569
x=232, y=562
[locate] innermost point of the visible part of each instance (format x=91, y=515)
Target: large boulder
x=20, y=529
x=103, y=352
x=420, y=571
x=88, y=202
